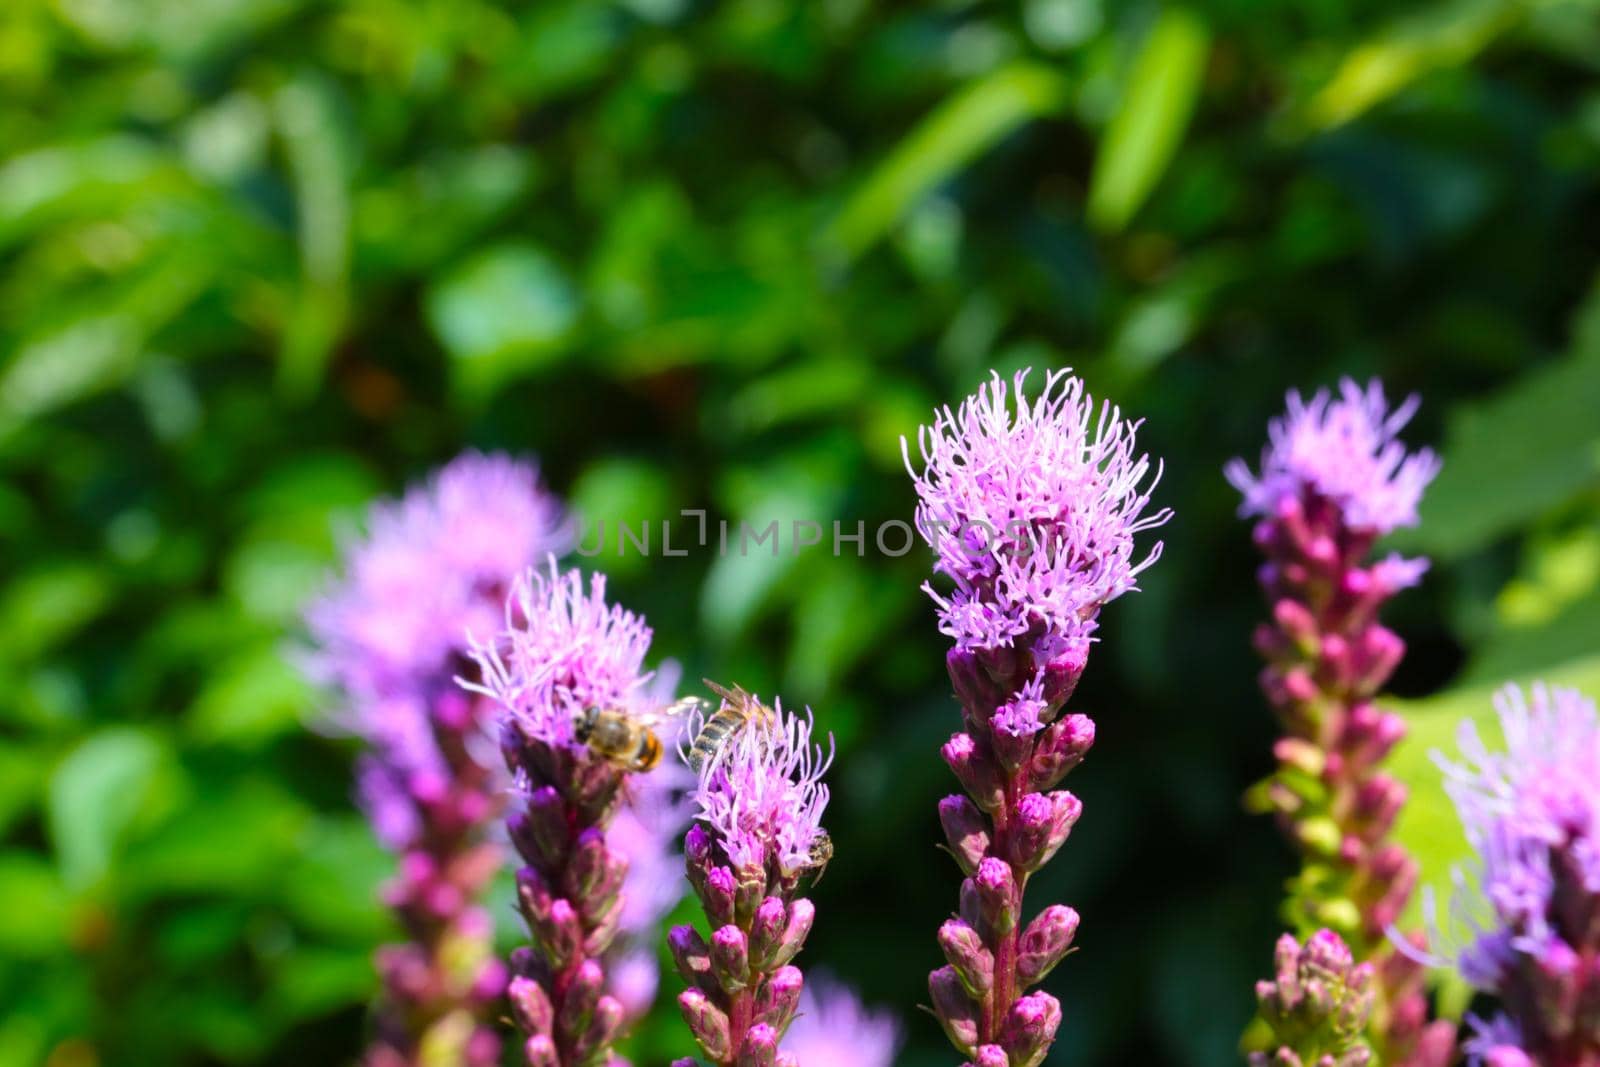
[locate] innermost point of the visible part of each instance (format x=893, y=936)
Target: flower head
x=1031, y=506
x=761, y=797
x=428, y=568
x=1532, y=814
x=1345, y=451
x=834, y=1029
x=563, y=650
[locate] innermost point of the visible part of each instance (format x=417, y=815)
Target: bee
x=739, y=709
x=821, y=853
x=625, y=739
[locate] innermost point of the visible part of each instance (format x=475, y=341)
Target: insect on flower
x=739, y=709
x=626, y=739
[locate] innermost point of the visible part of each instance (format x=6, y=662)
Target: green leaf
x=959, y=130
x=45, y=607
x=249, y=699
x=1513, y=457
x=96, y=793
x=502, y=314
x=34, y=909
x=1149, y=123
x=314, y=142
x=1376, y=70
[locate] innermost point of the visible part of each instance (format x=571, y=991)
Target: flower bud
x=707, y=1022
x=692, y=956
x=1044, y=943
x=1296, y=753
x=605, y=1024
x=1030, y=1028
x=972, y=962
x=766, y=932
x=990, y=1056
x=965, y=830
x=546, y=827
x=1059, y=676
x=530, y=1006
x=801, y=915
x=955, y=1010
x=594, y=872
x=540, y=1051
x=697, y=851
x=1059, y=748
x=997, y=895
x=1042, y=823
x=534, y=898
x=730, y=958
x=974, y=688
x=975, y=768
x=779, y=998
x=759, y=1047
x=559, y=935
x=581, y=996
x=716, y=895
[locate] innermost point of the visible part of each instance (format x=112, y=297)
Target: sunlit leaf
x=96, y=794
x=961, y=128
x=1150, y=120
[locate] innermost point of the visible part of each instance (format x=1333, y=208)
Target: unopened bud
x=691, y=955
x=966, y=831
x=779, y=998
x=1042, y=823
x=972, y=962
x=976, y=769
x=997, y=895
x=730, y=958
x=708, y=1023
x=955, y=1010
x=759, y=1047
x=1059, y=748
x=1044, y=943
x=1030, y=1028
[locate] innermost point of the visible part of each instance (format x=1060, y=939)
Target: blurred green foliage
x=265, y=259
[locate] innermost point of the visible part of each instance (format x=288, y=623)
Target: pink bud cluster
x=748, y=857
x=564, y=651
x=1333, y=480
x=569, y=891
x=1317, y=1005
x=1011, y=822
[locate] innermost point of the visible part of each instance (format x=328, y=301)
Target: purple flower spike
x=756, y=843
x=1344, y=451
x=1333, y=479
x=1528, y=928
x=565, y=652
x=390, y=634
x=1031, y=506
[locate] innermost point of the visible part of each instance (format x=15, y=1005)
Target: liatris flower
x=1333, y=480
x=1031, y=507
x=564, y=653
x=1317, y=1006
x=756, y=842
x=390, y=636
x=1532, y=921
x=834, y=1029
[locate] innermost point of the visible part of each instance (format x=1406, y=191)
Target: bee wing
x=682, y=706
x=735, y=695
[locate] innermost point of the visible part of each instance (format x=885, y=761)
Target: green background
x=265, y=260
